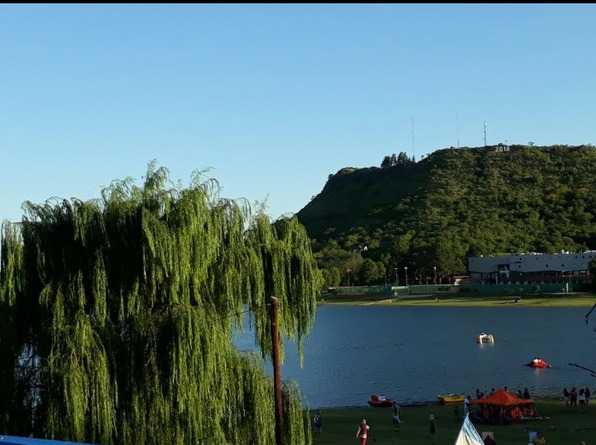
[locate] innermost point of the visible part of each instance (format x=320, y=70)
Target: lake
x=414, y=354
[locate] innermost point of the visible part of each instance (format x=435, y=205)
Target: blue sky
x=272, y=99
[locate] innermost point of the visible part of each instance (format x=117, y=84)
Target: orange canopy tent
x=503, y=407
x=502, y=398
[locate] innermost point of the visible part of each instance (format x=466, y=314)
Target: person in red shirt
x=516, y=413
x=362, y=432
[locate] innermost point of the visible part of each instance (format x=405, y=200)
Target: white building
x=531, y=266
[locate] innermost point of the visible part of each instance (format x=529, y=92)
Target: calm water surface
x=417, y=353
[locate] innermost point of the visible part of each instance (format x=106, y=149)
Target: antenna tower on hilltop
x=485, y=133
x=412, y=138
x=457, y=121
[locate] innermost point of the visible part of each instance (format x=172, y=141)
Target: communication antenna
x=485, y=133
x=412, y=138
x=457, y=120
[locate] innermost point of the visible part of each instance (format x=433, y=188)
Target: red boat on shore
x=380, y=401
x=538, y=363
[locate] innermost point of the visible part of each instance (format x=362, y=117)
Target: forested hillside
x=453, y=204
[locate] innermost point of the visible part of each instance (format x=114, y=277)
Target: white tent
x=468, y=435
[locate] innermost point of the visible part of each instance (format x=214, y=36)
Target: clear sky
x=275, y=98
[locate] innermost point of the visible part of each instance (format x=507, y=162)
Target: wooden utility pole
x=279, y=417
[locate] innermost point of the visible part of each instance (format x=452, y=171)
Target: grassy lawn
x=563, y=427
x=552, y=300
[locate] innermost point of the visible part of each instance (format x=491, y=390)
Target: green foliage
x=367, y=272
x=393, y=160
x=458, y=203
x=117, y=316
x=331, y=277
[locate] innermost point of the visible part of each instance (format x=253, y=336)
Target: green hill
x=453, y=204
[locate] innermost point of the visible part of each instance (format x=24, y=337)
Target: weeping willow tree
x=118, y=315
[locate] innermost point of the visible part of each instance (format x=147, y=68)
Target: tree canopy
x=117, y=316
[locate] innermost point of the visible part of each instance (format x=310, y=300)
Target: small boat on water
x=451, y=398
x=485, y=338
x=379, y=401
x=538, y=363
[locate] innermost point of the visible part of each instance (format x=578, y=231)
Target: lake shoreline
x=576, y=299
x=430, y=403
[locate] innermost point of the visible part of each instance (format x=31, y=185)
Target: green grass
x=557, y=300
x=563, y=427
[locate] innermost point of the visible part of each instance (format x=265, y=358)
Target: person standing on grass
x=362, y=432
x=396, y=418
x=566, y=397
x=318, y=423
x=581, y=398
x=573, y=399
x=433, y=428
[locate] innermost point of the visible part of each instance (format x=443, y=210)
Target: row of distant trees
x=358, y=271
x=400, y=159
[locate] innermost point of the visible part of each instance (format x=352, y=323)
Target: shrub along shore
x=560, y=426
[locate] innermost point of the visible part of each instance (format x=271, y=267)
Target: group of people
x=523, y=395
x=574, y=398
x=363, y=431
x=363, y=428
x=502, y=415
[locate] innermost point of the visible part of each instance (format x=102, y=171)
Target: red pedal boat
x=379, y=401
x=538, y=363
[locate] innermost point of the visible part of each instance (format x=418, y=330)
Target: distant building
x=531, y=267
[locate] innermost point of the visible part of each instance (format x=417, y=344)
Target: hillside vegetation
x=455, y=203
